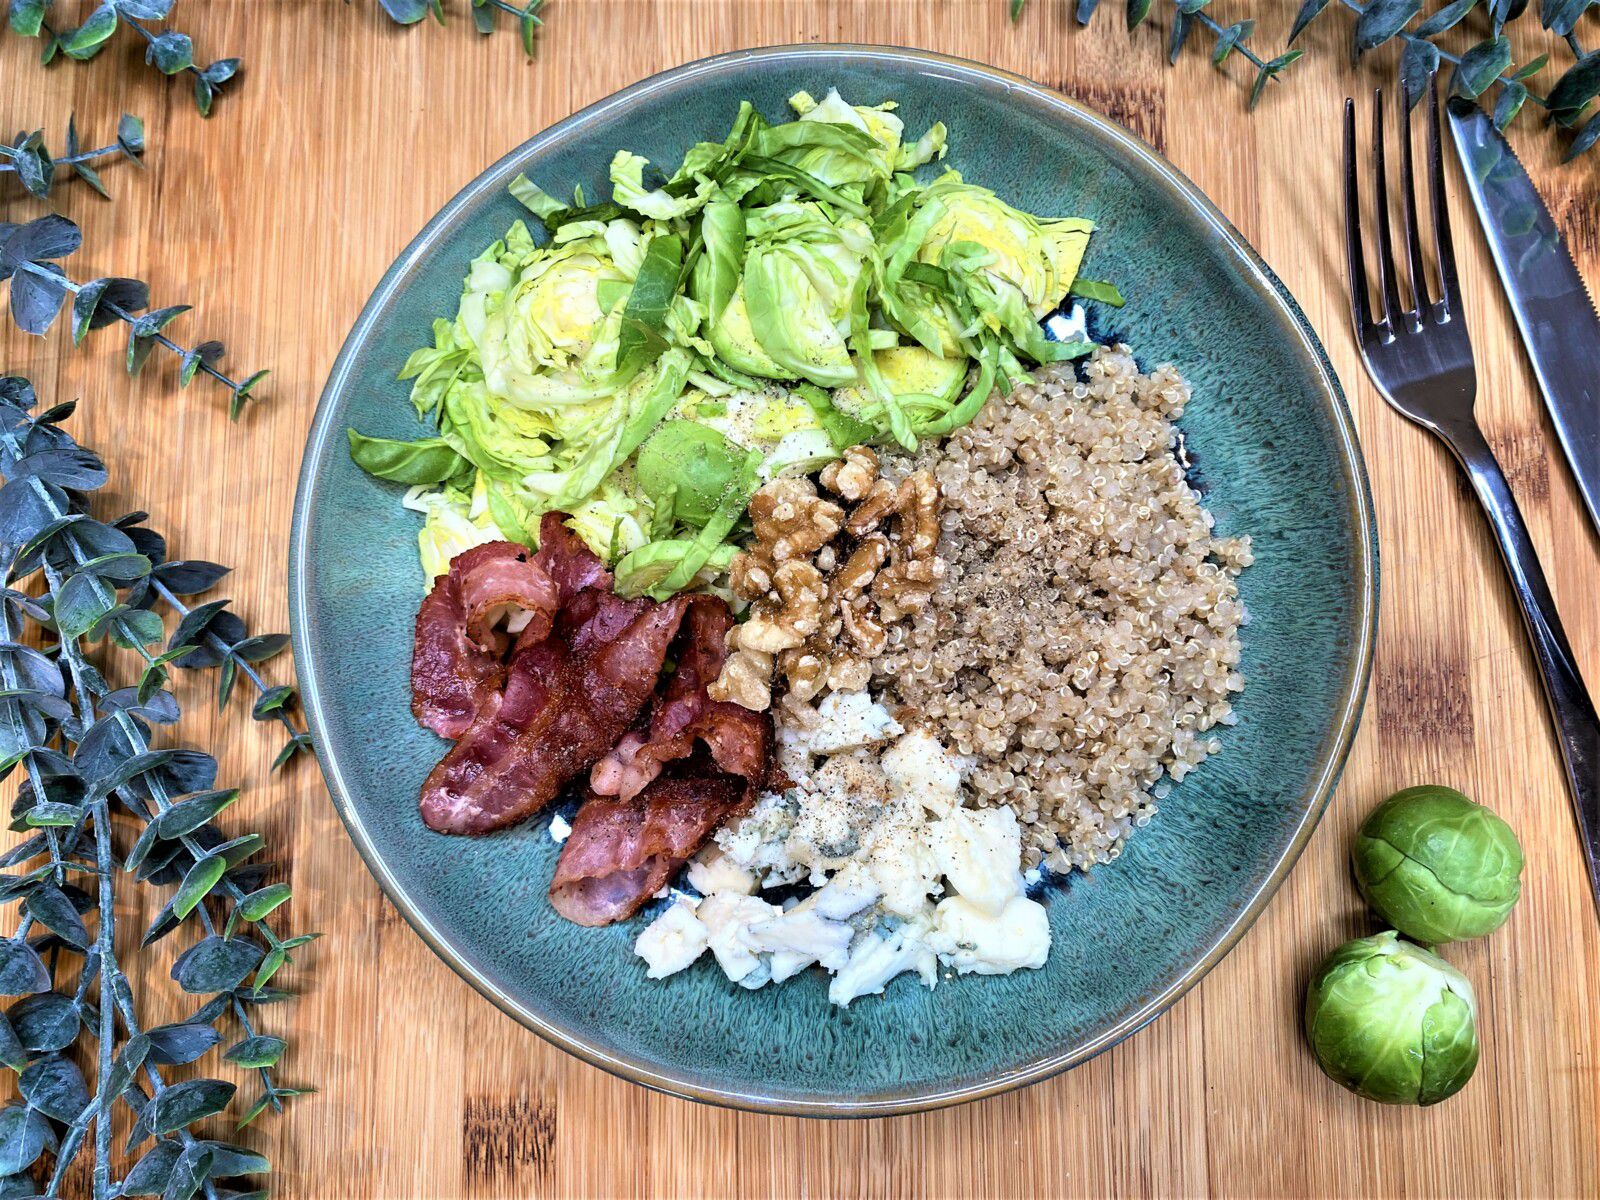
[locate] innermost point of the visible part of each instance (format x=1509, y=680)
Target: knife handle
x=1571, y=710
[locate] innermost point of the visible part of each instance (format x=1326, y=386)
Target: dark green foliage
x=38, y=170
x=1485, y=71
x=81, y=750
x=1187, y=15
x=39, y=288
x=170, y=52
x=486, y=15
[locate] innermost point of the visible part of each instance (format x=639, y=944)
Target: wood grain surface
x=276, y=218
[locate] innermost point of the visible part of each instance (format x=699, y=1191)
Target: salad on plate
x=764, y=516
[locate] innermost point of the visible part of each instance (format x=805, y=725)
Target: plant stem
x=127, y=318
x=80, y=156
x=1217, y=29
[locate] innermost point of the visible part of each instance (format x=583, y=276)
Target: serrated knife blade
x=1554, y=313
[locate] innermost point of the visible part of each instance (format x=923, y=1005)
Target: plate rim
x=884, y=1103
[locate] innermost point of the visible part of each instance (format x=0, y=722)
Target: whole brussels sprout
x=1392, y=1022
x=1436, y=866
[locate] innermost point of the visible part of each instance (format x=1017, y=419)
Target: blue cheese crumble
x=903, y=877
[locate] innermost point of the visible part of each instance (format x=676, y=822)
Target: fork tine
x=1450, y=293
x=1380, y=184
x=1419, y=276
x=1355, y=263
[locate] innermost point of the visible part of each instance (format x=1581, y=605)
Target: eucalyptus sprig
x=88, y=756
x=29, y=257
x=1485, y=70
x=485, y=15
x=1188, y=15
x=36, y=168
x=171, y=52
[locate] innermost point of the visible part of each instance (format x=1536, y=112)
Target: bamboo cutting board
x=276, y=218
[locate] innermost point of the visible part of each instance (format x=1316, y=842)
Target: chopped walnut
x=791, y=520
x=917, y=505
x=825, y=586
x=746, y=679
x=864, y=561
x=847, y=674
x=864, y=630
x=877, y=504
x=906, y=587
x=750, y=576
x=800, y=591
x=807, y=674
x=853, y=474
x=906, y=584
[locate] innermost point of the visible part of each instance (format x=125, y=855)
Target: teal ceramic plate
x=1274, y=451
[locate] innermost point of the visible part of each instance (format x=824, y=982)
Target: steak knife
x=1554, y=313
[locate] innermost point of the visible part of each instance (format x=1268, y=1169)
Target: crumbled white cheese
x=979, y=851
x=712, y=870
x=726, y=918
x=560, y=830
x=918, y=768
x=843, y=896
x=971, y=938
x=803, y=932
x=905, y=877
x=878, y=958
x=672, y=941
x=758, y=841
x=849, y=721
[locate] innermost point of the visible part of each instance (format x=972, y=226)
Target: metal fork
x=1422, y=363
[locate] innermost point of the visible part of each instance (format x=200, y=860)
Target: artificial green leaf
x=88, y=38
x=1382, y=20
x=1579, y=85
x=256, y=1052
x=1309, y=11
x=259, y=903
x=26, y=17
x=1419, y=62
x=1448, y=17
x=182, y=1104
x=1229, y=39
x=1482, y=65
x=197, y=883
x=1512, y=97
x=1587, y=136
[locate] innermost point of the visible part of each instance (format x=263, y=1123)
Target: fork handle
x=1571, y=709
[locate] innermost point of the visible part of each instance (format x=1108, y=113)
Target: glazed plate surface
x=1274, y=452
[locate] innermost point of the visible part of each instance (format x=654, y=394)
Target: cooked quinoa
x=1085, y=636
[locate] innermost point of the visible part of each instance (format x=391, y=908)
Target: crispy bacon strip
x=457, y=655
x=455, y=659
x=621, y=852
x=581, y=671
x=656, y=798
x=498, y=581
x=567, y=700
x=684, y=713
x=565, y=558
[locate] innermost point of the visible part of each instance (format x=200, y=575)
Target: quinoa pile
x=1085, y=636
